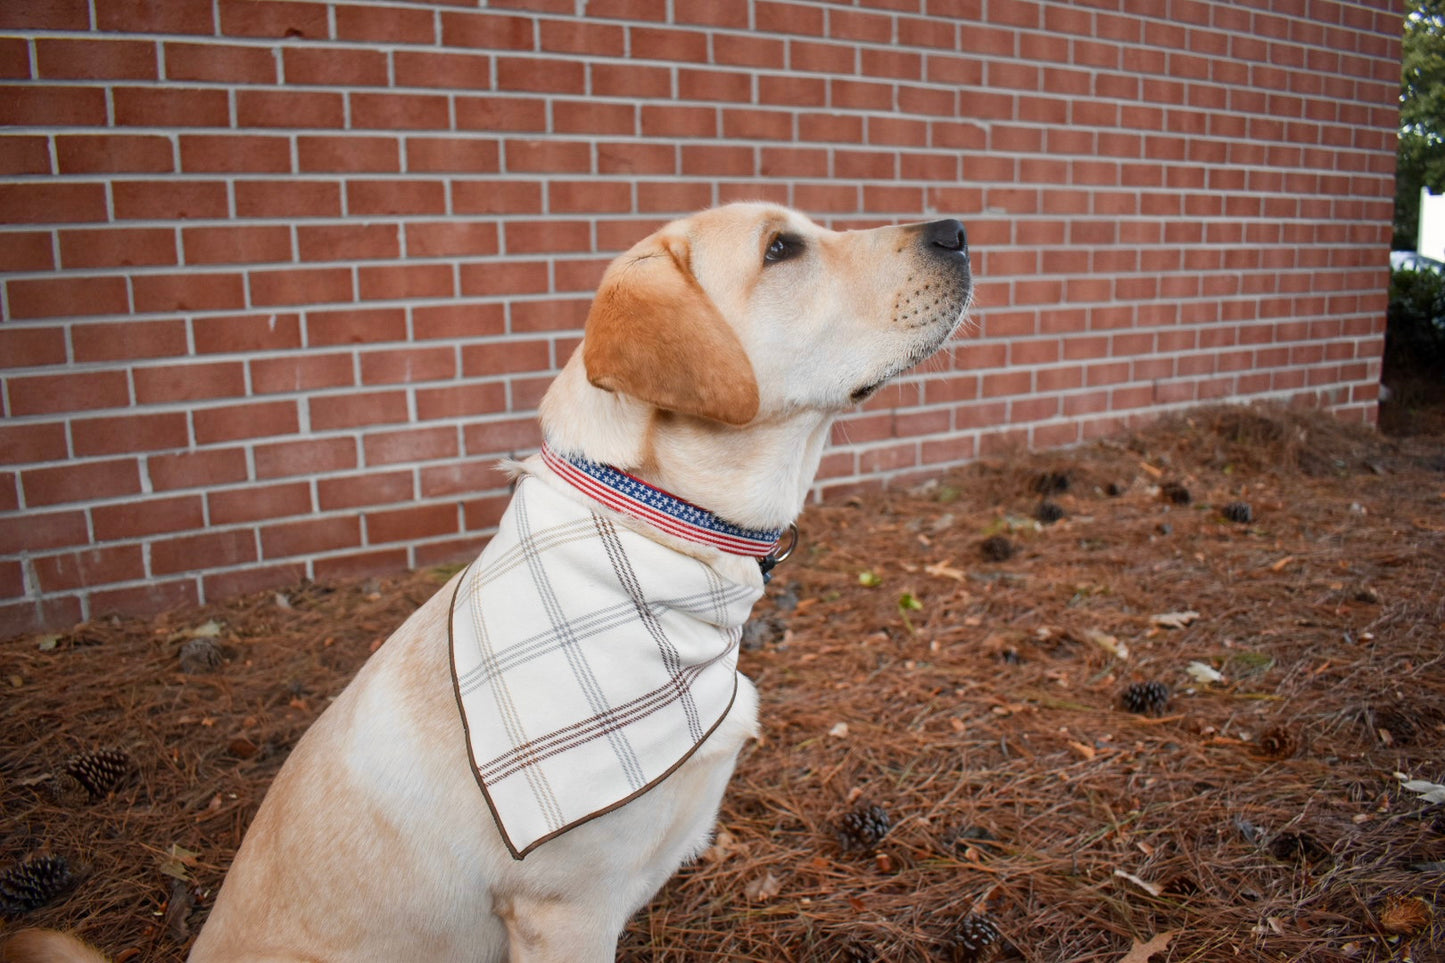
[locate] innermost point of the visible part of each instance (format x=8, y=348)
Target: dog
x=539, y=747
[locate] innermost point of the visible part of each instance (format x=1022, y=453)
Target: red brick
x=171, y=107
x=461, y=401
x=348, y=154
x=298, y=373
x=399, y=111
x=143, y=517
x=289, y=108
x=145, y=599
x=168, y=200
x=119, y=153
x=235, y=153
x=288, y=19
x=331, y=412
x=425, y=68
x=307, y=457
x=53, y=15
x=630, y=80
x=300, y=286
x=679, y=121
x=384, y=24
x=334, y=66
x=460, y=478
x=29, y=346
x=590, y=117
x=457, y=320
x=32, y=442
x=290, y=199
x=787, y=18
x=529, y=317
x=95, y=59
x=188, y=292
x=52, y=203
x=255, y=419
x=219, y=63
x=311, y=536
x=395, y=197
x=448, y=551
x=93, y=566
x=348, y=242
x=196, y=469
x=74, y=391
x=411, y=523
x=22, y=154
x=500, y=114
x=246, y=333
x=365, y=326
x=123, y=434
x=258, y=502
x=358, y=564
x=371, y=488
x=502, y=437
x=482, y=514
x=236, y=244
x=224, y=585
x=496, y=197
x=194, y=381
x=44, y=106
x=117, y=247
x=37, y=531
x=408, y=365
x=410, y=445
x=404, y=282
x=452, y=154
x=451, y=239
x=209, y=550
x=81, y=481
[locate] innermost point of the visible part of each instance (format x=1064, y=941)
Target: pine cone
x=863, y=828
x=1278, y=743
x=996, y=549
x=1048, y=512
x=1051, y=483
x=976, y=940
x=33, y=882
x=1176, y=493
x=96, y=771
x=1147, y=698
x=1238, y=512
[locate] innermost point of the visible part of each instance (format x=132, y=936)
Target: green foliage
x=1415, y=332
x=1421, y=154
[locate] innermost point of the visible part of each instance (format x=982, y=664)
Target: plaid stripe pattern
x=589, y=662
x=635, y=498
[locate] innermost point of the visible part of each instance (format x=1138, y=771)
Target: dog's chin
x=865, y=392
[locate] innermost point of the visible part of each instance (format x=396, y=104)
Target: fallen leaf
x=1153, y=889
x=1108, y=643
x=176, y=862
x=1175, y=620
x=1143, y=952
x=763, y=888
x=869, y=579
x=1204, y=674
x=1280, y=565
x=944, y=570
x=839, y=731
x=908, y=602
x=209, y=629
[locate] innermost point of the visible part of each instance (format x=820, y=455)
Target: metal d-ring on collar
x=779, y=554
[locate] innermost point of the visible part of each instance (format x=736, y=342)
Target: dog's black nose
x=948, y=235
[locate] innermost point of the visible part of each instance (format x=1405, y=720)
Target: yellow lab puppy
x=540, y=746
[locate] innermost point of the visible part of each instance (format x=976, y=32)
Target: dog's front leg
x=553, y=930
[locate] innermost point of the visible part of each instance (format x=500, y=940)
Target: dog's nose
x=948, y=235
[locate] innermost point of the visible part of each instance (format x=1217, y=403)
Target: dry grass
x=977, y=702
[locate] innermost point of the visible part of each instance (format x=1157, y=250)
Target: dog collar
x=635, y=498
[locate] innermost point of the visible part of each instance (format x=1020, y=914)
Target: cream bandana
x=589, y=662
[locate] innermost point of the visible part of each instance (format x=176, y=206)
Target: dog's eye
x=782, y=247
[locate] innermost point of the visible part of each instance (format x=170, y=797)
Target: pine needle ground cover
x=1132, y=725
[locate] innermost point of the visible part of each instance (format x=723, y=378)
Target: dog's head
x=752, y=311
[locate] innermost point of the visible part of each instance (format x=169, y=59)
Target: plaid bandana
x=589, y=662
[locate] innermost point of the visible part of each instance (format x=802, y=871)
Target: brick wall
x=283, y=279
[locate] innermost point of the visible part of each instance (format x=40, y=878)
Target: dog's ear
x=654, y=334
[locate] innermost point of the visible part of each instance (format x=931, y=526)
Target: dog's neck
x=754, y=477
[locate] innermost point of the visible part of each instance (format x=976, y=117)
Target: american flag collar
x=636, y=498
